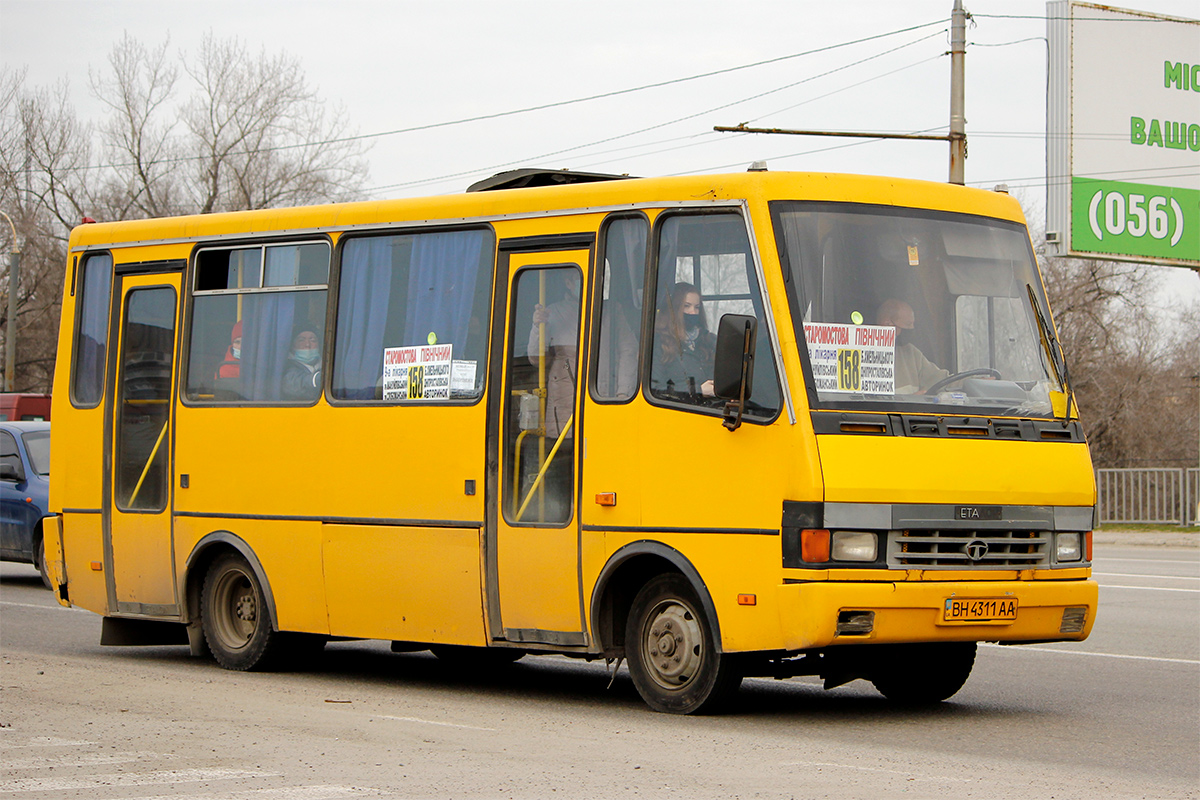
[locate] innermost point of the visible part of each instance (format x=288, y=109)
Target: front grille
x=967, y=549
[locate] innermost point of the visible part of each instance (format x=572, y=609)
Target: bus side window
x=616, y=355
x=410, y=291
x=705, y=270
x=91, y=338
x=259, y=298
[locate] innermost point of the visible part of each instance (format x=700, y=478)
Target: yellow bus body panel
x=404, y=583
x=909, y=469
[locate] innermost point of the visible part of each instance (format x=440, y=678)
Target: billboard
x=1123, y=135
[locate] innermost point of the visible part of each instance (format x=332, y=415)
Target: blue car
x=25, y=493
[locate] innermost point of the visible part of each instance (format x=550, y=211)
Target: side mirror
x=10, y=472
x=733, y=370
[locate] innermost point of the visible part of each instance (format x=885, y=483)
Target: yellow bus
x=759, y=424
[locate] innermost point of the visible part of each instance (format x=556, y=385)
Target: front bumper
x=913, y=611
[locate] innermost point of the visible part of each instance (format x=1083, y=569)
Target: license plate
x=980, y=609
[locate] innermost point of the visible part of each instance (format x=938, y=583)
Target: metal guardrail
x=1148, y=496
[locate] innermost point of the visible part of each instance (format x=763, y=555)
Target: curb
x=1165, y=538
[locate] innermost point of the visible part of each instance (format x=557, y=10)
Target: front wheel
x=672, y=651
x=235, y=617
x=922, y=674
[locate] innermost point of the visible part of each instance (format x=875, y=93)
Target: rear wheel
x=39, y=559
x=234, y=614
x=672, y=652
x=922, y=674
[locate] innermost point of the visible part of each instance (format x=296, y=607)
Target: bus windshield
x=909, y=310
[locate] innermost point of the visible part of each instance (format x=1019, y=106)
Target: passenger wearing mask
x=231, y=367
x=302, y=373
x=684, y=346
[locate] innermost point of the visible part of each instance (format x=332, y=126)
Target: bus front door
x=138, y=543
x=534, y=593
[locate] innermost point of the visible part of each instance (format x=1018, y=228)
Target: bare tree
x=262, y=137
x=221, y=131
x=1133, y=372
x=137, y=88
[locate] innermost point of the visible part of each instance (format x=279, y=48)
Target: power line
x=543, y=106
x=663, y=124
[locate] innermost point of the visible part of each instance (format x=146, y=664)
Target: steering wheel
x=944, y=382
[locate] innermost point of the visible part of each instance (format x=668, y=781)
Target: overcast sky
x=395, y=65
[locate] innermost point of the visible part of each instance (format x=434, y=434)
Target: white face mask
x=237, y=352
x=308, y=355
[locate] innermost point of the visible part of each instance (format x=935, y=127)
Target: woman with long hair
x=684, y=347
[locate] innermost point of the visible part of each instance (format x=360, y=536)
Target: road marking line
x=288, y=793
x=432, y=722
x=1144, y=575
x=83, y=760
x=1147, y=588
x=45, y=741
x=168, y=777
x=916, y=776
x=42, y=606
x=1089, y=653
x=1147, y=560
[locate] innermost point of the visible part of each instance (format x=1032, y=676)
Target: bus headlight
x=1068, y=546
x=854, y=546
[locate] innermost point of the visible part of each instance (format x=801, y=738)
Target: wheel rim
x=672, y=644
x=236, y=609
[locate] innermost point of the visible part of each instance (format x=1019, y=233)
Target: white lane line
x=81, y=760
x=432, y=722
x=1148, y=588
x=287, y=793
x=912, y=776
x=1145, y=575
x=165, y=777
x=1014, y=648
x=43, y=606
x=45, y=741
x=1147, y=560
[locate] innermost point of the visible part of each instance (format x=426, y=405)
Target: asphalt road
x=1116, y=716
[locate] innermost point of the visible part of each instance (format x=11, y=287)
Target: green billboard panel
x=1134, y=219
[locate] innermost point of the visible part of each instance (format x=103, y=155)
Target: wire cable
x=661, y=124
x=543, y=106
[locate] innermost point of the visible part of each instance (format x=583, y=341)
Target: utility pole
x=957, y=136
x=958, y=119
x=10, y=327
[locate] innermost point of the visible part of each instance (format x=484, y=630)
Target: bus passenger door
x=139, y=568
x=534, y=593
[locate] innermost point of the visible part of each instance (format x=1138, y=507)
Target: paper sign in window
x=852, y=359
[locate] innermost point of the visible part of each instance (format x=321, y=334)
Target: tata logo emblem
x=977, y=512
x=976, y=550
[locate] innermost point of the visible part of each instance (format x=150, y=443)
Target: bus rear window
x=91, y=337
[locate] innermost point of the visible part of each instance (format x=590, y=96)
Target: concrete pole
x=10, y=326
x=958, y=120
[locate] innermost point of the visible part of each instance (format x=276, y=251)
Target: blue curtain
x=267, y=321
x=441, y=284
x=362, y=317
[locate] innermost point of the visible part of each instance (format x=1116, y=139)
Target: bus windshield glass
x=920, y=311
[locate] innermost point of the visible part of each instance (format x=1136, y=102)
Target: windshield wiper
x=1054, y=351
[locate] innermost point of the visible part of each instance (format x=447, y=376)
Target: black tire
x=235, y=617
x=672, y=652
x=39, y=560
x=463, y=657
x=922, y=674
